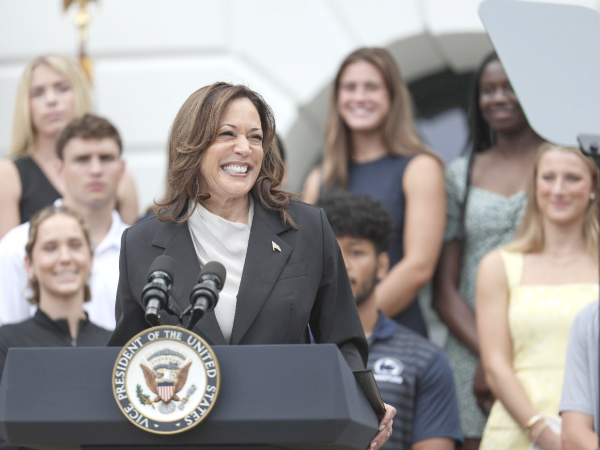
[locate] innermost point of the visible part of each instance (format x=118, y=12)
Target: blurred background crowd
x=404, y=101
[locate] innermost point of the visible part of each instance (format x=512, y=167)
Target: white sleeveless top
x=218, y=239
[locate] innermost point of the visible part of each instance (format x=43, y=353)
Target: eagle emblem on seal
x=165, y=373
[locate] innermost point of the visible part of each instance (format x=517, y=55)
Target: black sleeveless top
x=382, y=180
x=37, y=191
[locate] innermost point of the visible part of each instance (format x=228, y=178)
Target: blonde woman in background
x=52, y=92
x=372, y=147
x=528, y=294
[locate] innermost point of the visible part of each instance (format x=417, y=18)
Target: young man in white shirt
x=91, y=167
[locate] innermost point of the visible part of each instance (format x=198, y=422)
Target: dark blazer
x=281, y=292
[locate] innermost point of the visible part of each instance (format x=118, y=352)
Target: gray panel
x=551, y=54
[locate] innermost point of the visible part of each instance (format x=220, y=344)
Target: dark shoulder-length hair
x=194, y=130
x=399, y=131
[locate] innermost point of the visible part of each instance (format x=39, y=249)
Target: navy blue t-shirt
x=413, y=376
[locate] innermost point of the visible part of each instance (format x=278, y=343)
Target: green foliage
x=143, y=398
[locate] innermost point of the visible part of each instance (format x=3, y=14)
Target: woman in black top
x=52, y=91
x=59, y=260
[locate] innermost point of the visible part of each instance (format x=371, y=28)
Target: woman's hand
x=483, y=394
x=385, y=428
x=546, y=438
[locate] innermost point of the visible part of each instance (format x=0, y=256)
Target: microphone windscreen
x=163, y=263
x=214, y=268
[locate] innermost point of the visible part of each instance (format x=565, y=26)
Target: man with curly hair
x=413, y=374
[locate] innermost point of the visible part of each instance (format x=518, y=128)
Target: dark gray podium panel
x=288, y=396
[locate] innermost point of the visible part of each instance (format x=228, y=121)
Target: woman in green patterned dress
x=486, y=198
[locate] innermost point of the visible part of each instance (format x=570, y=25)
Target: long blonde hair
x=399, y=131
x=529, y=237
x=23, y=133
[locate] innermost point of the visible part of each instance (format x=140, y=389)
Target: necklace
x=562, y=264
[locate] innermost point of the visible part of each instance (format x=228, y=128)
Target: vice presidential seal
x=166, y=380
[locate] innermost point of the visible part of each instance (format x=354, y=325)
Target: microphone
x=155, y=295
x=205, y=294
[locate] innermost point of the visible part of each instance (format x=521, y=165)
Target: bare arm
x=447, y=301
x=423, y=233
x=10, y=196
x=495, y=340
x=127, y=199
x=578, y=431
x=496, y=347
x=434, y=444
x=577, y=402
x=310, y=194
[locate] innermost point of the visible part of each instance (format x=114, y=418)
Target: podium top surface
x=551, y=54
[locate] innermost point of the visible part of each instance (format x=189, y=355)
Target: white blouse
x=218, y=239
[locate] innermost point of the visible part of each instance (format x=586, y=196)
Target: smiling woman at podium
x=224, y=203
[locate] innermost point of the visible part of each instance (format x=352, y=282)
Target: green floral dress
x=490, y=222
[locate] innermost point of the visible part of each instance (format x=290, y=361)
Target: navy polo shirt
x=415, y=377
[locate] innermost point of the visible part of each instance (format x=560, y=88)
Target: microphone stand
x=173, y=309
x=192, y=320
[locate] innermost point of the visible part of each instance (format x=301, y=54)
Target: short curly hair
x=359, y=216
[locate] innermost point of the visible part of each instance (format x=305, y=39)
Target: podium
x=271, y=397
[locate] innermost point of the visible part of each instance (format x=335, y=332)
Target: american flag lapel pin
x=276, y=247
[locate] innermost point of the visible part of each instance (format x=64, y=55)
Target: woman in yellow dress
x=528, y=294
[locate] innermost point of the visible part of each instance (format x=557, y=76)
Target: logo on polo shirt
x=388, y=370
x=166, y=380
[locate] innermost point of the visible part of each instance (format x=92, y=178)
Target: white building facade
x=150, y=55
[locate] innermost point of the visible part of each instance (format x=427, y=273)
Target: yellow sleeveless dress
x=539, y=318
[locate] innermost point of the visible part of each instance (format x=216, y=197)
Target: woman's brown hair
x=194, y=130
x=530, y=234
x=399, y=132
x=37, y=219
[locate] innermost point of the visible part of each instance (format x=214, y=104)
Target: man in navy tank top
x=413, y=374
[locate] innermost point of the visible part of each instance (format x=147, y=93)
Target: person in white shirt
x=89, y=149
